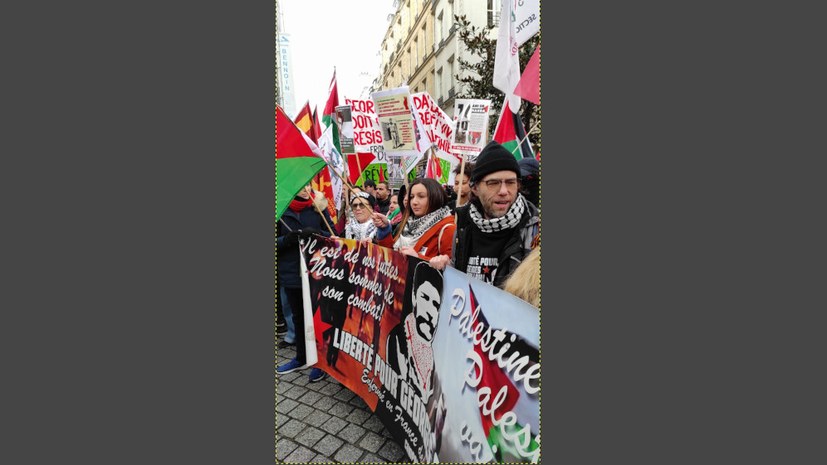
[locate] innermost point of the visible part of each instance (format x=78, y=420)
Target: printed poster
x=367, y=138
x=471, y=135
x=345, y=121
x=396, y=121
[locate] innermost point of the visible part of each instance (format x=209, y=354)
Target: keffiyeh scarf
x=416, y=227
x=360, y=231
x=510, y=220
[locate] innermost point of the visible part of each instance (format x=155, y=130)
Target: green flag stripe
x=291, y=175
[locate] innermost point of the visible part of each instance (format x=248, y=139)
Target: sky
x=346, y=34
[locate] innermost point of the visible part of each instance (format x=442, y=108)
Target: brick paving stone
x=290, y=377
x=325, y=403
x=370, y=458
x=348, y=453
x=300, y=411
x=300, y=455
x=310, y=398
x=334, y=425
x=344, y=395
x=358, y=416
x=317, y=418
x=295, y=392
x=358, y=402
x=322, y=459
x=331, y=389
x=352, y=433
x=392, y=451
x=284, y=447
x=372, y=442
x=285, y=405
x=340, y=410
x=374, y=424
x=292, y=428
x=281, y=419
x=303, y=380
x=328, y=445
x=310, y=436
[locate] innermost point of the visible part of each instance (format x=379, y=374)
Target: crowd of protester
x=489, y=215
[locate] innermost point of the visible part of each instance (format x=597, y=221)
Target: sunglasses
x=357, y=205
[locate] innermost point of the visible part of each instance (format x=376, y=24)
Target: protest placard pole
x=407, y=209
x=285, y=225
x=313, y=199
x=526, y=136
x=461, y=174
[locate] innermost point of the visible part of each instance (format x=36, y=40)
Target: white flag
x=507, y=58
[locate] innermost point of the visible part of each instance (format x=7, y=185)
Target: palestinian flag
x=510, y=131
x=297, y=161
x=329, y=112
x=494, y=378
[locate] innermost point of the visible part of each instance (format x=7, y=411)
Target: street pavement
x=324, y=422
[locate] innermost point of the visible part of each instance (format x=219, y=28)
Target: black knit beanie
x=494, y=157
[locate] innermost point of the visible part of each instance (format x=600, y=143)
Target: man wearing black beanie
x=499, y=227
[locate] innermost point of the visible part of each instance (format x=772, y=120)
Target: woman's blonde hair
x=525, y=281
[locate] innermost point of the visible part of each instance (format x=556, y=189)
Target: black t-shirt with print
x=484, y=255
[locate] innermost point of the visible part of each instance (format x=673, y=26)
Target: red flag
x=317, y=128
x=353, y=166
x=529, y=85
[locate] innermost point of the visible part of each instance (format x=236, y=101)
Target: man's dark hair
x=369, y=183
x=437, y=197
x=386, y=185
x=423, y=272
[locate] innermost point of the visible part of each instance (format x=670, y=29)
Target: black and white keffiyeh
x=510, y=220
x=360, y=231
x=416, y=227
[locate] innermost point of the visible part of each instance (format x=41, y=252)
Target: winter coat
x=435, y=241
x=288, y=257
x=515, y=248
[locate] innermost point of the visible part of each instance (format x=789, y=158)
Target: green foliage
x=477, y=76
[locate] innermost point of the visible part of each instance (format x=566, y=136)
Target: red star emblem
x=319, y=326
x=486, y=270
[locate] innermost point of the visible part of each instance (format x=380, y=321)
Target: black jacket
x=288, y=257
x=514, y=250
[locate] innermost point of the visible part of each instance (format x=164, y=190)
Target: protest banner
x=439, y=133
x=367, y=138
x=396, y=121
x=471, y=134
x=345, y=121
x=451, y=379
x=526, y=19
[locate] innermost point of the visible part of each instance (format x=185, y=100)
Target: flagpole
x=526, y=136
x=313, y=200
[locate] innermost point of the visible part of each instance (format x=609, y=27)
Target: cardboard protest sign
x=345, y=121
x=449, y=364
x=367, y=138
x=396, y=121
x=471, y=135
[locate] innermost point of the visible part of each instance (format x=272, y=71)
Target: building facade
x=422, y=44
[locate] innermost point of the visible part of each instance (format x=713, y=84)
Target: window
x=416, y=51
x=439, y=28
x=493, y=12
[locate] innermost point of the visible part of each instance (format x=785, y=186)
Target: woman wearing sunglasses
x=361, y=225
x=430, y=227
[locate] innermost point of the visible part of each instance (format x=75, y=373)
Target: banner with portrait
x=451, y=378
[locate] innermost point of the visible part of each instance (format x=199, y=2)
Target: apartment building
x=421, y=46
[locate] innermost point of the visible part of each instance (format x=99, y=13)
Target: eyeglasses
x=496, y=183
x=357, y=205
